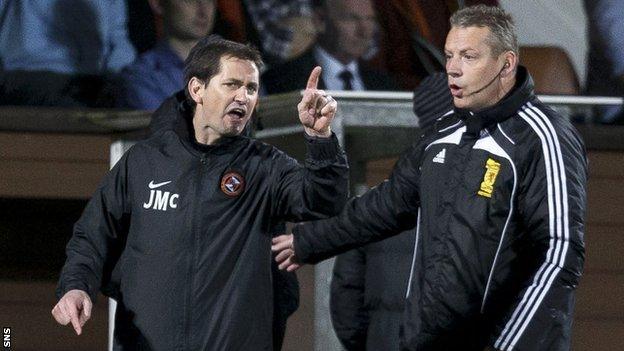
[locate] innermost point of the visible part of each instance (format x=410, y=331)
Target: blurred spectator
x=347, y=32
x=605, y=71
x=285, y=28
x=369, y=283
x=368, y=293
x=158, y=72
x=58, y=52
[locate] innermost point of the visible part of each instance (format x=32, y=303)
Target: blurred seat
x=551, y=69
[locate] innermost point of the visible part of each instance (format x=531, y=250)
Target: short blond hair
x=502, y=28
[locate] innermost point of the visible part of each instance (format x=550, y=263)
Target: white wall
x=552, y=22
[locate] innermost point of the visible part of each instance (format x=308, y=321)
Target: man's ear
x=196, y=87
x=157, y=7
x=511, y=63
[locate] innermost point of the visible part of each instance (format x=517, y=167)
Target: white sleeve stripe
x=546, y=269
x=411, y=276
x=558, y=229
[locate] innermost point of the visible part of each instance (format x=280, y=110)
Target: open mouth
x=237, y=112
x=456, y=90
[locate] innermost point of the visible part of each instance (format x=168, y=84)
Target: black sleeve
x=319, y=189
x=551, y=205
x=385, y=210
x=347, y=303
x=97, y=236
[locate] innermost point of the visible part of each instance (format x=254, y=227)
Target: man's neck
x=204, y=134
x=181, y=47
x=507, y=86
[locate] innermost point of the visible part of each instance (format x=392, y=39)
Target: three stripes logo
x=439, y=158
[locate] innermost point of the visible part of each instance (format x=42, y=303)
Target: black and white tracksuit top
x=498, y=197
x=179, y=233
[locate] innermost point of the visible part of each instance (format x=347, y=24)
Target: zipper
x=203, y=160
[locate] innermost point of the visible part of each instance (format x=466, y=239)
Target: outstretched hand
x=316, y=109
x=75, y=307
x=286, y=259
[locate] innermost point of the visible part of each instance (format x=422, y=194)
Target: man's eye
x=252, y=90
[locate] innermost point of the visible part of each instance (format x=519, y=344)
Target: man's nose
x=242, y=95
x=453, y=68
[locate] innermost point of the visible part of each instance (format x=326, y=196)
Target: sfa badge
x=491, y=172
x=232, y=184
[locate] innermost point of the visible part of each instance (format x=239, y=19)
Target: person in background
x=367, y=294
x=284, y=28
x=159, y=72
x=369, y=283
x=347, y=32
x=605, y=64
x=61, y=52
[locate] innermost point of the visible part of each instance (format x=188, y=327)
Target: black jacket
x=368, y=293
x=179, y=234
x=499, y=199
x=293, y=75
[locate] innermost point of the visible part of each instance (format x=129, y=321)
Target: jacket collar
x=502, y=110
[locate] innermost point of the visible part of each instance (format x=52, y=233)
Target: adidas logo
x=439, y=158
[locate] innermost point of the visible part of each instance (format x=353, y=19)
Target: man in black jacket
x=497, y=192
x=179, y=231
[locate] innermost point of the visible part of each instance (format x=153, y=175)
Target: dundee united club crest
x=232, y=184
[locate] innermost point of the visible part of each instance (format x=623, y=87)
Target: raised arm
x=319, y=189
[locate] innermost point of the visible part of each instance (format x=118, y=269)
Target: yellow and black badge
x=232, y=184
x=491, y=172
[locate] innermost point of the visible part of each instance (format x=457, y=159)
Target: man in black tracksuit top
x=497, y=193
x=179, y=231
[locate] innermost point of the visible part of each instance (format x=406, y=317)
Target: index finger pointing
x=314, y=78
x=75, y=321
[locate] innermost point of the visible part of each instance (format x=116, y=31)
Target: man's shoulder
x=537, y=125
x=259, y=147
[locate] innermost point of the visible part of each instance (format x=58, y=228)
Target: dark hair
x=503, y=32
x=204, y=60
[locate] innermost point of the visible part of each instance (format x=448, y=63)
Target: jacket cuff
x=322, y=149
x=301, y=246
x=63, y=288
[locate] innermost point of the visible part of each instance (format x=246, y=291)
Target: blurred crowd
x=130, y=54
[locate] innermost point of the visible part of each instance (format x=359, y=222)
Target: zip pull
x=203, y=159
